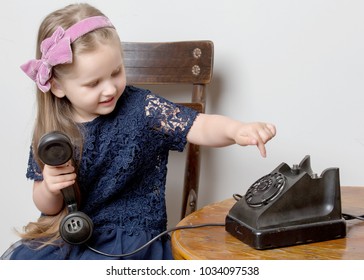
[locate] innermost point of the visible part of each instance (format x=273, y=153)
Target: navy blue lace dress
x=122, y=179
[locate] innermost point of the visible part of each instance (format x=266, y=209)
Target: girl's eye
x=116, y=73
x=93, y=84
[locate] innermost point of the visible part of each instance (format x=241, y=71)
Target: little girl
x=121, y=134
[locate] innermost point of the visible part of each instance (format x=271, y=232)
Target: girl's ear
x=56, y=89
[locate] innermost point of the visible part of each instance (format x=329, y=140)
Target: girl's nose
x=109, y=89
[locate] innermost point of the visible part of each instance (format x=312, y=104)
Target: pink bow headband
x=57, y=50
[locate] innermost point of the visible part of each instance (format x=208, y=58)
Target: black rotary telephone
x=289, y=206
x=55, y=149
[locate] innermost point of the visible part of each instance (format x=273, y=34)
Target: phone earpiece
x=55, y=148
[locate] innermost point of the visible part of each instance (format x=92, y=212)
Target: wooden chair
x=189, y=62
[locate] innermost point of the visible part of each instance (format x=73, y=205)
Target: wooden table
x=214, y=243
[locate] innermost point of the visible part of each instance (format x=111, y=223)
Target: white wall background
x=298, y=64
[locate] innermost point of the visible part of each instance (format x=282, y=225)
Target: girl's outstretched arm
x=220, y=131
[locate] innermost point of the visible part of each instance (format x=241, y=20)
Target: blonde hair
x=56, y=114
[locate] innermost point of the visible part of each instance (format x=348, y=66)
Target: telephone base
x=285, y=236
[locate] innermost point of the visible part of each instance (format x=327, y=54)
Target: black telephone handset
x=55, y=149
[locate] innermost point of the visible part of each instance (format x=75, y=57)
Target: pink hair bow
x=55, y=50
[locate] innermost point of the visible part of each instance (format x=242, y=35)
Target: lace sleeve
x=172, y=120
x=33, y=171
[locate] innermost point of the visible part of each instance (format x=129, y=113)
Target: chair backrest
x=186, y=62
